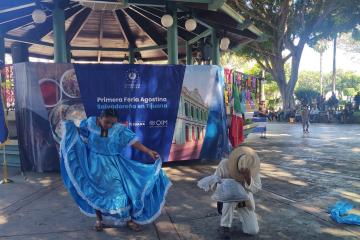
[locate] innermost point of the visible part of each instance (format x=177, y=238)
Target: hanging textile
x=237, y=103
x=236, y=132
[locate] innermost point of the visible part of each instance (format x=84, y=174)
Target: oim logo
x=158, y=123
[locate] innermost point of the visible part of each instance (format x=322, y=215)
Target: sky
x=310, y=60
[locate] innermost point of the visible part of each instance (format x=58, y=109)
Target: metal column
x=60, y=49
x=215, y=48
x=188, y=54
x=172, y=39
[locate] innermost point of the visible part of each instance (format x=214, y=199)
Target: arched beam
x=155, y=16
x=77, y=23
x=150, y=28
x=41, y=30
x=128, y=34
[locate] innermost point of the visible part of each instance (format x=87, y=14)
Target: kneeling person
x=243, y=166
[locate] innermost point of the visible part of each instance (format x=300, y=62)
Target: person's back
x=305, y=118
x=305, y=113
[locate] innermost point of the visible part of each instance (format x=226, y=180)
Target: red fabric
x=236, y=132
x=228, y=73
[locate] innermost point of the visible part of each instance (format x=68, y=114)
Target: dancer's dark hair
x=109, y=112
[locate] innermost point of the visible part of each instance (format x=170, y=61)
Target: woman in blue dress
x=102, y=181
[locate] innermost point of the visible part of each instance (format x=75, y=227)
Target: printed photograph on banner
x=61, y=94
x=199, y=95
x=37, y=147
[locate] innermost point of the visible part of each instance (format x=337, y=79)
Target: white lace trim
x=78, y=190
x=123, y=221
x=158, y=168
x=157, y=214
x=97, y=130
x=134, y=140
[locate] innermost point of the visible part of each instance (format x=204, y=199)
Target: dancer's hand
x=154, y=155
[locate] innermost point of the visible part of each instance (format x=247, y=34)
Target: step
x=12, y=155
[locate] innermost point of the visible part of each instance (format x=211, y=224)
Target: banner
x=201, y=123
x=36, y=143
x=145, y=96
x=178, y=111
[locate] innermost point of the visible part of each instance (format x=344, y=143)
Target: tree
x=348, y=80
x=320, y=47
x=289, y=25
x=350, y=43
x=234, y=61
x=333, y=85
x=345, y=80
x=349, y=92
x=306, y=95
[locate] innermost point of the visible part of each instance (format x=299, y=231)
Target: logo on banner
x=136, y=124
x=158, y=123
x=132, y=77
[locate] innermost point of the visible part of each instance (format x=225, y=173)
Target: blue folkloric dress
x=99, y=177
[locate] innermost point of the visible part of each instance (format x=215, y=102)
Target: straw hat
x=241, y=158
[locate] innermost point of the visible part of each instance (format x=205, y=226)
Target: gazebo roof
x=105, y=35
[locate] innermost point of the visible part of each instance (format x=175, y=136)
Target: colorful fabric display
x=237, y=104
x=236, y=132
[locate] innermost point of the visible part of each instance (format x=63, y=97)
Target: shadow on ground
x=302, y=177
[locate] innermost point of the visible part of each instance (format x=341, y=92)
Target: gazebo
x=127, y=31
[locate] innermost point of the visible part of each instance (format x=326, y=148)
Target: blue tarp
x=340, y=213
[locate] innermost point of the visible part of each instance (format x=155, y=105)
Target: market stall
x=242, y=94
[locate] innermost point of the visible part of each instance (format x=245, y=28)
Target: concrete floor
x=302, y=177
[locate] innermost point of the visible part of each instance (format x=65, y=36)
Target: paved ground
x=302, y=176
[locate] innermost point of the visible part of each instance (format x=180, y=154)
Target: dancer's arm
x=139, y=146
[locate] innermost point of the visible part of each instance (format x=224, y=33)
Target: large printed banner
x=176, y=110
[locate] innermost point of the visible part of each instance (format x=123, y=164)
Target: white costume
x=230, y=210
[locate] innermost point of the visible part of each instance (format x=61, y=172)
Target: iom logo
x=158, y=123
x=133, y=79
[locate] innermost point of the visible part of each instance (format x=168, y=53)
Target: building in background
x=192, y=118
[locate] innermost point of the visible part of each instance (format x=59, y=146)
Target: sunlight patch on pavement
x=356, y=149
x=328, y=170
x=3, y=220
x=349, y=195
x=299, y=183
x=337, y=232
x=263, y=207
x=278, y=135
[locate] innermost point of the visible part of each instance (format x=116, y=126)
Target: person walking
x=305, y=113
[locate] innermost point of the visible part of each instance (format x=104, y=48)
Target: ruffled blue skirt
x=120, y=188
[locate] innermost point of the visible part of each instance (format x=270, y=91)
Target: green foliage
x=321, y=46
x=236, y=61
x=350, y=92
x=248, y=121
x=271, y=90
x=306, y=95
x=347, y=80
x=344, y=80
x=273, y=103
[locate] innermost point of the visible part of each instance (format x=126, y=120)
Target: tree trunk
x=287, y=87
x=321, y=73
x=334, y=66
x=279, y=75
